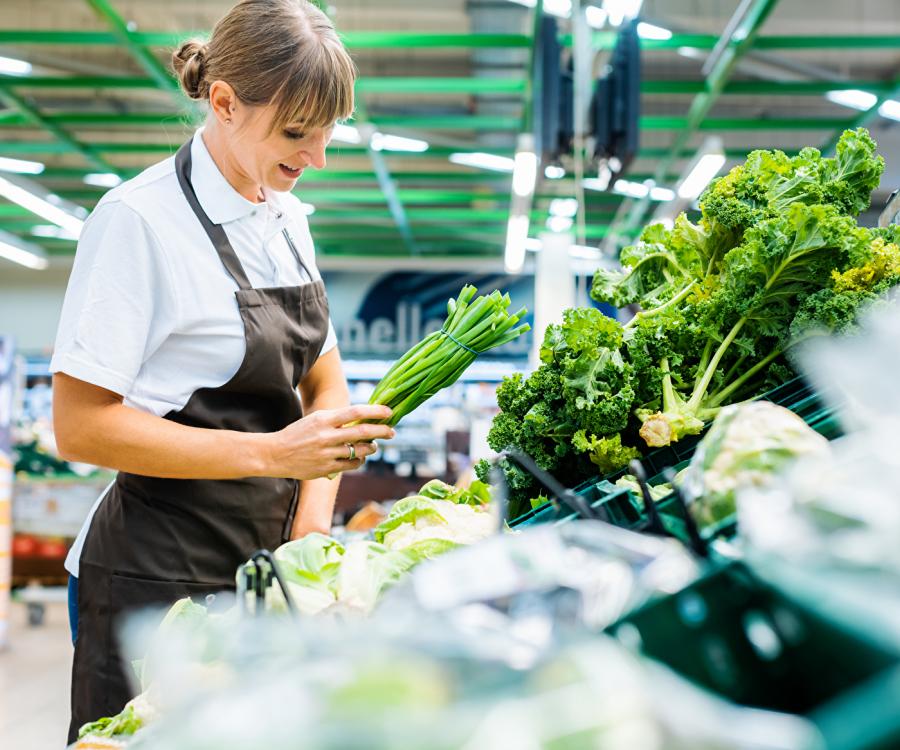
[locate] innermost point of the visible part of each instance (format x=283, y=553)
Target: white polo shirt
x=150, y=311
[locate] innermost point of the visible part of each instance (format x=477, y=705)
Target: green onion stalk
x=473, y=326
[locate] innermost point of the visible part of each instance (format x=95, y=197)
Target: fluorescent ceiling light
x=651, y=31
x=20, y=166
x=345, y=134
x=52, y=231
x=19, y=251
x=516, y=237
x=524, y=172
x=643, y=190
x=890, y=109
x=621, y=10
x=596, y=17
x=383, y=142
x=561, y=8
x=595, y=183
x=22, y=257
x=631, y=189
x=691, y=52
x=554, y=172
x=40, y=205
x=10, y=66
x=584, y=252
x=481, y=160
x=601, y=181
x=102, y=179
x=853, y=98
x=559, y=223
x=707, y=167
x=564, y=207
x=533, y=244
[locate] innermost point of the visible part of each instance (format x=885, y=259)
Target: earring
x=228, y=121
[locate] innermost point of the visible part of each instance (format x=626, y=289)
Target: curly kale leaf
x=653, y=271
x=607, y=453
x=855, y=171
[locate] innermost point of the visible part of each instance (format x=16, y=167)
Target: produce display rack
x=752, y=642
x=622, y=508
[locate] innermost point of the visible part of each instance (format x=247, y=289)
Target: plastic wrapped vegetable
x=747, y=446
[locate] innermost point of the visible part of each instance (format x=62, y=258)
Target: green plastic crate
x=623, y=509
x=596, y=495
x=751, y=643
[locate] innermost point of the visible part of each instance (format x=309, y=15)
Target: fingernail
x=393, y=432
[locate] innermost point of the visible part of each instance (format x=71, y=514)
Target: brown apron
x=153, y=541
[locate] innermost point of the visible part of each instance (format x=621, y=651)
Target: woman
x=194, y=313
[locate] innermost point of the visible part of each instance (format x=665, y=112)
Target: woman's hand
x=317, y=445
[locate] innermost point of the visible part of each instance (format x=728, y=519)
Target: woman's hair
x=281, y=52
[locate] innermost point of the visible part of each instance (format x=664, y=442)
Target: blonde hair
x=281, y=52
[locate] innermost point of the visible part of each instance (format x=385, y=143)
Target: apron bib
x=153, y=541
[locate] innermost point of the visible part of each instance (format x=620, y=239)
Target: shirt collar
x=221, y=202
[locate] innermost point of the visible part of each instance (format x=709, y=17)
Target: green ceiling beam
x=606, y=40
x=353, y=39
x=78, y=82
x=396, y=85
x=332, y=174
x=873, y=41
x=474, y=122
x=767, y=88
x=13, y=210
x=52, y=147
x=440, y=85
x=412, y=39
x=16, y=101
x=448, y=122
x=144, y=57
x=143, y=147
x=435, y=122
x=741, y=123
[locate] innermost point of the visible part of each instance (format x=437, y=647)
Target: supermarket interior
x=458, y=375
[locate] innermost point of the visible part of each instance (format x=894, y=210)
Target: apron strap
x=293, y=247
x=214, y=231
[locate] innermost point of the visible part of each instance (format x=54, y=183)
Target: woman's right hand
x=317, y=445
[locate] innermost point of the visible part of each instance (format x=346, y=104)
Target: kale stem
x=723, y=394
x=670, y=398
x=704, y=361
x=644, y=314
x=700, y=390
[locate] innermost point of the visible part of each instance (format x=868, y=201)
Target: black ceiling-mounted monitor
x=616, y=104
x=546, y=102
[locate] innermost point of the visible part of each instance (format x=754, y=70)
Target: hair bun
x=189, y=62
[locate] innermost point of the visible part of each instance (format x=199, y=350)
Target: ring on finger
x=352, y=452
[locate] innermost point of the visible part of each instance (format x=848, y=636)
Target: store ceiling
x=453, y=73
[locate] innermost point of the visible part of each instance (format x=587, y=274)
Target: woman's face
x=276, y=159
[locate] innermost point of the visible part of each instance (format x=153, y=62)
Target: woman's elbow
x=69, y=441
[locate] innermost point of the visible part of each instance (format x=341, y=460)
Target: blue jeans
x=73, y=607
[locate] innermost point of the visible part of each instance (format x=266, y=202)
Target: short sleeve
x=120, y=303
x=331, y=340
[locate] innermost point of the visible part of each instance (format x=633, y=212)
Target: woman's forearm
x=93, y=426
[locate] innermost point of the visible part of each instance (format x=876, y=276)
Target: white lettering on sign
x=386, y=337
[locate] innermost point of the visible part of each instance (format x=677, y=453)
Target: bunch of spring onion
x=473, y=325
